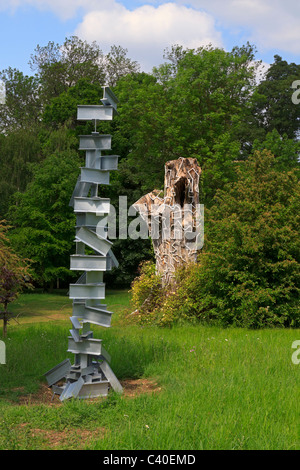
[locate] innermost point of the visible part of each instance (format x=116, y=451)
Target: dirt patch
x=73, y=438
x=131, y=388
x=70, y=438
x=43, y=396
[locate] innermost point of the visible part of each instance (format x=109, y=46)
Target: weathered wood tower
x=173, y=217
x=91, y=375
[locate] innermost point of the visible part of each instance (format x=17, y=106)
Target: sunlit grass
x=38, y=307
x=219, y=388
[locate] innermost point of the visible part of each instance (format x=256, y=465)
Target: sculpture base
x=87, y=390
x=76, y=382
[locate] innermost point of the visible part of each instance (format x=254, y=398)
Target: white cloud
x=148, y=30
x=64, y=9
x=270, y=24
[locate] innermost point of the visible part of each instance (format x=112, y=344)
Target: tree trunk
x=4, y=326
x=5, y=320
x=173, y=217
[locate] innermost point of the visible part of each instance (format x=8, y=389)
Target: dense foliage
x=248, y=272
x=204, y=103
x=14, y=275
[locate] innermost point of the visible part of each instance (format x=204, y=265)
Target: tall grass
x=220, y=389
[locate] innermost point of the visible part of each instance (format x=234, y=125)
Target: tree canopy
x=248, y=271
x=204, y=103
x=15, y=275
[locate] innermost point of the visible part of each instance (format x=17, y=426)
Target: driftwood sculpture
x=173, y=217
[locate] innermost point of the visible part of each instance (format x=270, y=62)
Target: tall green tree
x=63, y=108
x=272, y=104
x=117, y=65
x=192, y=107
x=60, y=67
x=248, y=272
x=285, y=150
x=22, y=106
x=42, y=219
x=19, y=150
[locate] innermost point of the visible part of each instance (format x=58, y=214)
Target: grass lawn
x=201, y=387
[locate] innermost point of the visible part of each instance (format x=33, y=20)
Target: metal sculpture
x=91, y=375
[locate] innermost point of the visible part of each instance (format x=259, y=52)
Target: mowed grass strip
x=39, y=307
x=218, y=389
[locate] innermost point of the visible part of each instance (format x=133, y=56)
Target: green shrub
x=147, y=293
x=247, y=275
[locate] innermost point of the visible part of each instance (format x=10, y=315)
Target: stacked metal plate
x=91, y=375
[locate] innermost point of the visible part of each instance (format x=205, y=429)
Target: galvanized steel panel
x=106, y=369
x=94, y=390
x=76, y=323
x=101, y=317
x=97, y=316
x=94, y=241
x=90, y=219
x=89, y=175
x=71, y=390
x=109, y=97
x=94, y=277
x=58, y=372
x=88, y=370
x=78, y=307
x=95, y=205
x=95, y=142
x=109, y=162
x=80, y=190
x=95, y=112
x=91, y=346
x=88, y=263
x=90, y=158
x=87, y=291
x=75, y=335
x=95, y=304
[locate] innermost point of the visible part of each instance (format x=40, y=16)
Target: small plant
x=14, y=276
x=147, y=293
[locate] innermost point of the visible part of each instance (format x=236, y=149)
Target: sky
x=147, y=28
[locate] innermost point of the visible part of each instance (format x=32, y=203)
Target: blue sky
x=147, y=28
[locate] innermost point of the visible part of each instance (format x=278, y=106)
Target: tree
x=272, y=104
x=63, y=108
x=42, y=219
x=285, y=150
x=248, y=273
x=117, y=65
x=60, y=67
x=19, y=149
x=22, y=105
x=14, y=276
x=193, y=108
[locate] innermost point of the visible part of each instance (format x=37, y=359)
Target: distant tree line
x=204, y=103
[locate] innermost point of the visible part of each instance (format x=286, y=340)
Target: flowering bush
x=147, y=293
